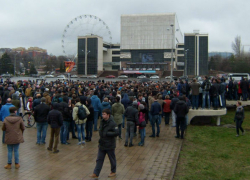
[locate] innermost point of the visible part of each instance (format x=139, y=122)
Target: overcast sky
x=26, y=23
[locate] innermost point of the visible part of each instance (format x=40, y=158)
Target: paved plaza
x=155, y=160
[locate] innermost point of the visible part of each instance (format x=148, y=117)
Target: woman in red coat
x=166, y=109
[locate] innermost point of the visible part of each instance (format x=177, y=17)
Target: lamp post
x=186, y=61
x=86, y=54
x=172, y=52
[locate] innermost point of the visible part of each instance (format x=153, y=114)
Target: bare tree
x=236, y=46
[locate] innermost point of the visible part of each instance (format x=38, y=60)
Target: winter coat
x=195, y=88
x=29, y=105
x=5, y=110
x=105, y=105
x=55, y=118
x=155, y=108
x=181, y=109
x=173, y=103
x=244, y=85
x=239, y=111
x=96, y=103
x=108, y=132
x=142, y=117
x=36, y=102
x=13, y=126
x=215, y=90
x=166, y=106
x=41, y=112
x=150, y=102
x=75, y=112
x=28, y=92
x=117, y=112
x=131, y=113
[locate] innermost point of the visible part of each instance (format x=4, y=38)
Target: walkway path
x=156, y=160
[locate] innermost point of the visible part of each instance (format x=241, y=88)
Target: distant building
x=197, y=54
x=32, y=51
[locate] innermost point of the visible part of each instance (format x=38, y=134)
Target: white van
x=238, y=76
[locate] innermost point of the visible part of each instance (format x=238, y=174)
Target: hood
x=125, y=96
x=45, y=94
x=116, y=104
x=94, y=97
x=105, y=104
x=14, y=96
x=181, y=102
x=160, y=97
x=78, y=104
x=12, y=118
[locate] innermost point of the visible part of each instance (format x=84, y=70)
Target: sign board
x=180, y=63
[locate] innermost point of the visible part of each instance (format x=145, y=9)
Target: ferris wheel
x=81, y=26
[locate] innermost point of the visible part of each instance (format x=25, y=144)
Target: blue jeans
x=95, y=120
x=142, y=132
x=11, y=148
x=150, y=117
x=244, y=95
x=155, y=119
x=80, y=131
x=120, y=130
x=41, y=132
x=130, y=132
x=89, y=129
x=235, y=95
x=64, y=132
x=223, y=99
x=160, y=117
x=72, y=127
x=3, y=141
x=195, y=101
x=215, y=102
x=205, y=97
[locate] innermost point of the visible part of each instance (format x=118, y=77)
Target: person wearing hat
x=131, y=114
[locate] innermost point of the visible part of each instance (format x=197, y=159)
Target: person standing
x=131, y=113
x=206, y=85
x=96, y=103
x=41, y=112
x=238, y=118
x=28, y=92
x=107, y=143
x=172, y=106
x=245, y=88
x=55, y=119
x=166, y=109
x=155, y=112
x=181, y=109
x=195, y=93
x=80, y=123
x=13, y=126
x=142, y=115
x=215, y=90
x=117, y=112
x=5, y=112
x=90, y=120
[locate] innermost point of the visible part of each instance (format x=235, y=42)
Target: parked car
x=141, y=77
x=92, y=76
x=169, y=77
x=154, y=77
x=6, y=75
x=74, y=76
x=122, y=76
x=183, y=77
x=49, y=76
x=61, y=77
x=110, y=76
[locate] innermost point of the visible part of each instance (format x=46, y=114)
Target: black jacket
x=173, y=103
x=41, y=112
x=108, y=132
x=215, y=90
x=244, y=85
x=90, y=117
x=64, y=109
x=55, y=118
x=131, y=113
x=181, y=109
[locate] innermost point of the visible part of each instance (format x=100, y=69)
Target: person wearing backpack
x=80, y=113
x=142, y=123
x=238, y=118
x=206, y=85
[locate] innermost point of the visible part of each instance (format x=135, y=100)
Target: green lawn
x=211, y=152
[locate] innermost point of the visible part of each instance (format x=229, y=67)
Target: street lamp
x=186, y=61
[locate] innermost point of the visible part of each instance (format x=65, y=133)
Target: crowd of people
x=70, y=106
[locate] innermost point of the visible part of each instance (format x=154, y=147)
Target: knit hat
x=141, y=106
x=135, y=103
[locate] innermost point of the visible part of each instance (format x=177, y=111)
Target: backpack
x=81, y=113
x=142, y=124
x=207, y=86
x=183, y=89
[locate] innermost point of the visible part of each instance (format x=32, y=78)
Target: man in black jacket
x=55, y=119
x=244, y=87
x=172, y=106
x=131, y=113
x=64, y=109
x=181, y=109
x=107, y=143
x=41, y=112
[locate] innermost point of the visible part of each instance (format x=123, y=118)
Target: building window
x=116, y=59
x=115, y=67
x=115, y=52
x=180, y=52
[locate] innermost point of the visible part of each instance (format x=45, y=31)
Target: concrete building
x=197, y=54
x=147, y=41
